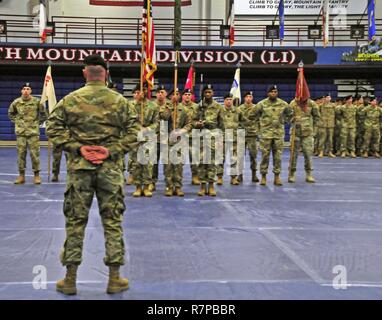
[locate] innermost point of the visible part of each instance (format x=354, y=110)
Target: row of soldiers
x=344, y=128
x=349, y=127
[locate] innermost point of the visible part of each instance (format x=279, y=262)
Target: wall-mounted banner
x=59, y=54
x=298, y=7
x=371, y=52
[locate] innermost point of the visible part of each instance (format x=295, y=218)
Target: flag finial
x=238, y=65
x=301, y=64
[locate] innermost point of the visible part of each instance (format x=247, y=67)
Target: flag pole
x=49, y=142
x=293, y=132
x=175, y=103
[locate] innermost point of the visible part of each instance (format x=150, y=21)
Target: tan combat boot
x=277, y=181
x=20, y=179
x=234, y=181
x=178, y=192
x=152, y=187
x=220, y=180
x=343, y=154
x=352, y=154
x=309, y=177
x=54, y=178
x=331, y=155
x=138, y=192
x=292, y=178
x=195, y=180
x=203, y=190
x=130, y=180
x=365, y=154
x=146, y=191
x=37, y=179
x=255, y=179
x=68, y=284
x=377, y=155
x=263, y=180
x=116, y=283
x=168, y=192
x=211, y=190
x=321, y=154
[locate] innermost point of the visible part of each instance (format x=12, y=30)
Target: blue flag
x=281, y=17
x=371, y=15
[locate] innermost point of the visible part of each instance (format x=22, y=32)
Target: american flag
x=134, y=3
x=148, y=46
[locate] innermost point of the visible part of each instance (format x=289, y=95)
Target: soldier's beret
x=172, y=92
x=228, y=95
x=136, y=88
x=348, y=97
x=186, y=91
x=95, y=60
x=27, y=84
x=357, y=97
x=372, y=98
x=271, y=88
x=327, y=95
x=161, y=87
x=248, y=93
x=208, y=87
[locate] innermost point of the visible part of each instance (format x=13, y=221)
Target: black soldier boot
x=68, y=284
x=116, y=283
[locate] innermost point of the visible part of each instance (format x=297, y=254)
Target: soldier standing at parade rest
x=305, y=116
x=373, y=119
x=231, y=117
x=359, y=102
x=208, y=115
x=251, y=132
x=94, y=126
x=190, y=107
x=348, y=116
x=272, y=113
x=27, y=113
x=326, y=126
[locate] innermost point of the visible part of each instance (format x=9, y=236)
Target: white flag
x=42, y=25
x=48, y=93
x=325, y=22
x=235, y=89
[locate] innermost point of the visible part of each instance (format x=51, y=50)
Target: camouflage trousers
x=276, y=147
x=142, y=173
x=251, y=144
x=359, y=138
x=337, y=138
x=232, y=154
x=326, y=139
x=57, y=155
x=130, y=164
x=193, y=167
x=371, y=140
x=173, y=175
x=156, y=165
x=306, y=144
x=316, y=136
x=348, y=139
x=33, y=144
x=207, y=169
x=106, y=183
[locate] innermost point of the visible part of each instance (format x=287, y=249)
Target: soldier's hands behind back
x=94, y=154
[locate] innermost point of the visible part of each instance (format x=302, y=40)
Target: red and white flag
x=42, y=24
x=190, y=83
x=231, y=22
x=48, y=92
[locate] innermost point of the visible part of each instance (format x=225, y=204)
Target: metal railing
x=127, y=31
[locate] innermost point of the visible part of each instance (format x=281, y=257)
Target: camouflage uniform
x=174, y=172
x=326, y=126
x=27, y=115
x=143, y=173
x=57, y=155
x=303, y=123
x=360, y=133
x=348, y=115
x=93, y=115
x=373, y=120
x=231, y=118
x=272, y=117
x=251, y=131
x=212, y=114
x=190, y=108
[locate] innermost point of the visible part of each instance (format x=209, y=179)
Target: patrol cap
x=248, y=93
x=208, y=87
x=271, y=88
x=95, y=60
x=228, y=95
x=26, y=84
x=161, y=87
x=186, y=91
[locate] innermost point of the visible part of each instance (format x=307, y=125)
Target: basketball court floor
x=251, y=242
